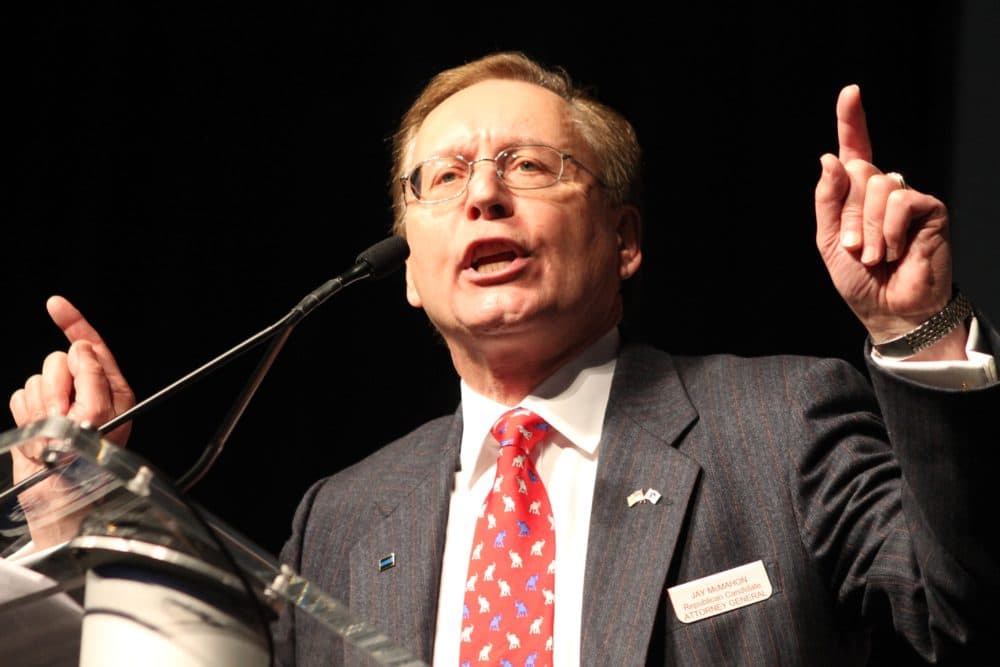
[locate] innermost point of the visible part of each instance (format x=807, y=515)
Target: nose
x=488, y=198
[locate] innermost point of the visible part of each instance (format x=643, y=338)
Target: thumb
x=831, y=190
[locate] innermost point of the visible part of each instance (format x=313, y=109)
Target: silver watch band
x=931, y=331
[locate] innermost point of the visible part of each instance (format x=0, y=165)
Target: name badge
x=720, y=592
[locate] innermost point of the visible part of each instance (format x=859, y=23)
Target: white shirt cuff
x=978, y=370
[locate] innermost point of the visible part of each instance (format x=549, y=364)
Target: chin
x=492, y=324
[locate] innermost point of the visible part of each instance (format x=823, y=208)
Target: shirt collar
x=573, y=400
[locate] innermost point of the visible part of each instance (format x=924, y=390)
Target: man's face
x=524, y=267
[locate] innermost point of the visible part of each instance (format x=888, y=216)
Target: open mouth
x=493, y=256
x=495, y=262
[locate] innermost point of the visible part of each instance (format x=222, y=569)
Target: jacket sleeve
x=893, y=496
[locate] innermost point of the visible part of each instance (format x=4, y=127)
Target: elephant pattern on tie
x=511, y=575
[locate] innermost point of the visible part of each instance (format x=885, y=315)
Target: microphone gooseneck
x=378, y=261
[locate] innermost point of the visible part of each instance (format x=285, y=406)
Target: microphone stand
x=215, y=445
x=280, y=331
x=378, y=261
x=282, y=328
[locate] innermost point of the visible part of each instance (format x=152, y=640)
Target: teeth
x=492, y=267
x=494, y=261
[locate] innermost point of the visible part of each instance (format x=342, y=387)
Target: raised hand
x=885, y=245
x=82, y=383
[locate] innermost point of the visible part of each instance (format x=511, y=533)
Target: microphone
x=385, y=257
x=376, y=262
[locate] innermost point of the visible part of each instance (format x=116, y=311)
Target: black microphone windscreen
x=385, y=256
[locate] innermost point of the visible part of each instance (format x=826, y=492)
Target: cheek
x=424, y=245
x=593, y=260
x=421, y=273
x=429, y=235
x=427, y=267
x=412, y=294
x=591, y=243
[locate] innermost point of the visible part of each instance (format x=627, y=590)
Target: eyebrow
x=519, y=140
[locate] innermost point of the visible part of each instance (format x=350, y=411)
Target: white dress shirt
x=573, y=402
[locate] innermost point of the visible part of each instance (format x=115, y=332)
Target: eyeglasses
x=529, y=167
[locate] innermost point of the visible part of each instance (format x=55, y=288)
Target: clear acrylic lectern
x=140, y=574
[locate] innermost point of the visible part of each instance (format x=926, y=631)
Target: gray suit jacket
x=781, y=459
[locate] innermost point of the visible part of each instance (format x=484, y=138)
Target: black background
x=186, y=175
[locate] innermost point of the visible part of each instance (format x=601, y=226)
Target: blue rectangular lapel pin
x=386, y=562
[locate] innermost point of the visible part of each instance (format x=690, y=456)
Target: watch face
x=899, y=352
x=895, y=349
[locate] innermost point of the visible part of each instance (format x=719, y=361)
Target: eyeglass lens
x=520, y=167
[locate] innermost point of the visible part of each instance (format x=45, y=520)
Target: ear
x=629, y=232
x=412, y=295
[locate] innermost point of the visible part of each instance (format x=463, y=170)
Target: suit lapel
x=630, y=548
x=403, y=599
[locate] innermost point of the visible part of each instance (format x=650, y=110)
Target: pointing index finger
x=76, y=328
x=71, y=321
x=852, y=128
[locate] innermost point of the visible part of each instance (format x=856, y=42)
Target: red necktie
x=509, y=592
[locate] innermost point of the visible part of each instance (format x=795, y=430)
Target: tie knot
x=521, y=428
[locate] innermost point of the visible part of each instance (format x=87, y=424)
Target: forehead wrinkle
x=470, y=149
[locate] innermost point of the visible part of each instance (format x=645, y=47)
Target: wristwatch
x=929, y=332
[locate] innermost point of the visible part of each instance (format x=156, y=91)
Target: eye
x=524, y=163
x=530, y=167
x=442, y=175
x=445, y=176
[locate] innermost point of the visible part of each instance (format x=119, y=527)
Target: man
x=706, y=511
